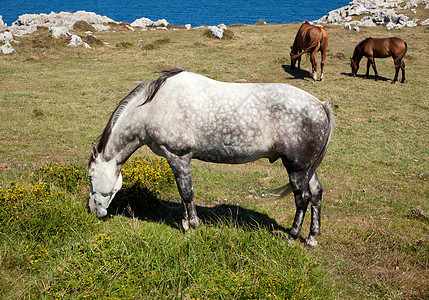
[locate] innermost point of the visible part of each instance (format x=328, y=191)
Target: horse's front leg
x=181, y=166
x=375, y=68
x=368, y=65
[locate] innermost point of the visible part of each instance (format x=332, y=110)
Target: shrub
x=83, y=26
x=67, y=176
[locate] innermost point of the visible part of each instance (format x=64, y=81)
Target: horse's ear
x=94, y=151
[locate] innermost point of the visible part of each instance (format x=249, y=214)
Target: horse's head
x=354, y=64
x=292, y=53
x=106, y=180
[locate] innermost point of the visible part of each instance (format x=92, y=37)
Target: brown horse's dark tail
x=317, y=40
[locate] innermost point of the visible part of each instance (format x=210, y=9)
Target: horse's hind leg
x=396, y=74
x=314, y=63
x=403, y=71
x=316, y=204
x=322, y=65
x=300, y=185
x=181, y=166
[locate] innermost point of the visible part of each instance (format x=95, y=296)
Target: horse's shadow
x=297, y=74
x=147, y=206
x=370, y=77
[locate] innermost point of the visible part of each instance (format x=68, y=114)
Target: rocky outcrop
x=28, y=23
x=145, y=22
x=377, y=12
x=216, y=31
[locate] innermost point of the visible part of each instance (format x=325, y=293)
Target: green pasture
x=55, y=101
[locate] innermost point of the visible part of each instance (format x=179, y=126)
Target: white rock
x=145, y=22
x=77, y=41
x=160, y=23
x=59, y=31
x=142, y=22
x=348, y=26
x=7, y=48
x=3, y=25
x=425, y=22
x=356, y=29
x=130, y=28
x=222, y=26
x=216, y=31
x=6, y=37
x=188, y=26
x=28, y=23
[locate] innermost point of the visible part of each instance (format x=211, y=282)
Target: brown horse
x=380, y=48
x=311, y=39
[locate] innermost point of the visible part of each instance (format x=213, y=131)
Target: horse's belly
x=230, y=154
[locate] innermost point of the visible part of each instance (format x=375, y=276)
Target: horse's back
x=236, y=122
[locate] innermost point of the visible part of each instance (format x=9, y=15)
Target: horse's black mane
x=357, y=48
x=151, y=89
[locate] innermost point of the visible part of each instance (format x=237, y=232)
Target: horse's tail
x=313, y=45
x=401, y=57
x=287, y=189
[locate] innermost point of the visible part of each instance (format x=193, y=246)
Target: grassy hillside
x=55, y=101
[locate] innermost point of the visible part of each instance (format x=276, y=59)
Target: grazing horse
x=183, y=115
x=311, y=39
x=380, y=48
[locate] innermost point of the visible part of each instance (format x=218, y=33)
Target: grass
x=55, y=101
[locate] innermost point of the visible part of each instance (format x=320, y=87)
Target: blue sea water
x=194, y=12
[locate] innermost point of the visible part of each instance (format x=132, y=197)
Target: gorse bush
x=146, y=173
x=67, y=176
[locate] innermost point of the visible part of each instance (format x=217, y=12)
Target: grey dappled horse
x=183, y=115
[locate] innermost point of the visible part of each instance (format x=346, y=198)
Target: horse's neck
x=124, y=140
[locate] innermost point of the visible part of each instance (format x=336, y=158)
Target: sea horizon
x=196, y=13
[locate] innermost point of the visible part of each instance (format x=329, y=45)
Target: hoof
x=190, y=223
x=393, y=82
x=311, y=242
x=291, y=239
x=185, y=224
x=194, y=222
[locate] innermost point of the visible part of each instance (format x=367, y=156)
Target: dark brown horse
x=311, y=39
x=380, y=48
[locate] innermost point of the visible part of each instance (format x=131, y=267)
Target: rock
x=2, y=24
x=160, y=23
x=7, y=48
x=188, y=26
x=348, y=26
x=356, y=29
x=28, y=23
x=222, y=26
x=379, y=12
x=77, y=41
x=59, y=31
x=145, y=22
x=6, y=37
x=425, y=22
x=130, y=28
x=412, y=23
x=215, y=31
